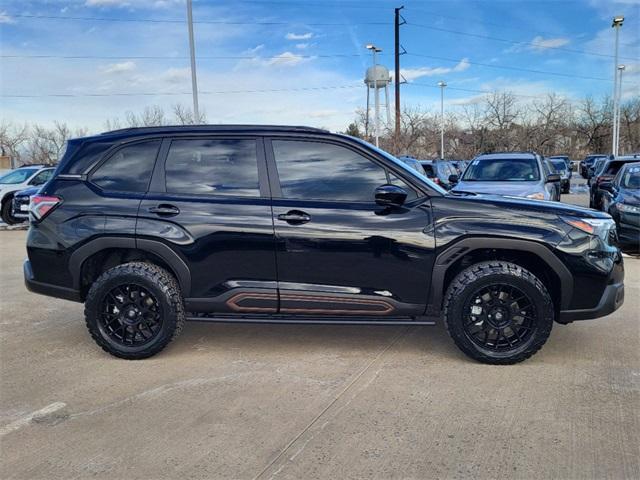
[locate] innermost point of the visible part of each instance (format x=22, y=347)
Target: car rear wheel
x=134, y=310
x=497, y=312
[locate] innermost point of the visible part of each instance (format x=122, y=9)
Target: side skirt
x=310, y=320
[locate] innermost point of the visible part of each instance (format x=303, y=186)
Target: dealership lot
x=234, y=401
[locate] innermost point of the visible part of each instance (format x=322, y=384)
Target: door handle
x=294, y=217
x=165, y=210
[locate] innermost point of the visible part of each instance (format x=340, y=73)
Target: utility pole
x=397, y=75
x=617, y=23
x=442, y=84
x=621, y=69
x=192, y=48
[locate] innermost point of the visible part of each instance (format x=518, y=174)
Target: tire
x=137, y=301
x=7, y=216
x=466, y=324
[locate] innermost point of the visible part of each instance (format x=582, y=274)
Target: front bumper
x=611, y=300
x=46, y=288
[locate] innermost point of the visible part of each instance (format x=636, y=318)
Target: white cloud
x=107, y=3
x=302, y=46
x=411, y=74
x=286, y=59
x=539, y=44
x=119, y=67
x=5, y=18
x=176, y=75
x=298, y=36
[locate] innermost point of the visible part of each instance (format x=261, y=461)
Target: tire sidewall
x=543, y=310
x=96, y=298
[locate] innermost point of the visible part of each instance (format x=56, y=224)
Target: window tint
x=322, y=171
x=411, y=193
x=128, y=169
x=502, y=169
x=42, y=177
x=88, y=155
x=213, y=166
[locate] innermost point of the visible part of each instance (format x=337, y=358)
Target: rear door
x=338, y=252
x=210, y=203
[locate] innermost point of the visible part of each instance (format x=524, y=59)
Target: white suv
x=19, y=179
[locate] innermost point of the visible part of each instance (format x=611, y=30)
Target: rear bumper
x=46, y=288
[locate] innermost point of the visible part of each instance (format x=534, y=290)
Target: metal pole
x=616, y=27
x=376, y=100
x=194, y=81
x=397, y=77
x=442, y=85
x=620, y=71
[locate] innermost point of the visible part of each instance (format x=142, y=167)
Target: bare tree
x=593, y=124
x=12, y=138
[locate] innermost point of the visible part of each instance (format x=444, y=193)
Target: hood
x=631, y=197
x=531, y=206
x=519, y=189
x=28, y=191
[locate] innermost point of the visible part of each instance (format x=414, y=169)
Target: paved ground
x=311, y=402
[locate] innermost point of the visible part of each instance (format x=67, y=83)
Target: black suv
x=150, y=227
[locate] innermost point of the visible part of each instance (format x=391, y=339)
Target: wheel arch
x=99, y=254
x=528, y=254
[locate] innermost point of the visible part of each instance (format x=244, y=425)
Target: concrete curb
x=20, y=226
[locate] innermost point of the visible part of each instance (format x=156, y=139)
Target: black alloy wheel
x=499, y=317
x=130, y=315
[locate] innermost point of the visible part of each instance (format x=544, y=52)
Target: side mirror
x=554, y=177
x=390, y=195
x=608, y=186
x=453, y=179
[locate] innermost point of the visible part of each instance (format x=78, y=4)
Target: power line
x=517, y=69
x=470, y=90
x=183, y=57
x=210, y=22
x=514, y=42
x=202, y=92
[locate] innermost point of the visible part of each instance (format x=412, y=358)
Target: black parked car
x=565, y=173
x=588, y=162
x=621, y=199
x=150, y=227
x=605, y=173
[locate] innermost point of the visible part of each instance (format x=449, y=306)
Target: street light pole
x=194, y=81
x=442, y=86
x=376, y=123
x=616, y=24
x=620, y=71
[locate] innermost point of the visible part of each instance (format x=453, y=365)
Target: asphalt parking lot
x=237, y=401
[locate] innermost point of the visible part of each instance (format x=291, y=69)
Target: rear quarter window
x=128, y=169
x=88, y=155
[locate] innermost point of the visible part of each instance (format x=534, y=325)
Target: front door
x=209, y=202
x=339, y=253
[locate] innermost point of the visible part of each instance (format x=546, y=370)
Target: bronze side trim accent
x=232, y=303
x=387, y=307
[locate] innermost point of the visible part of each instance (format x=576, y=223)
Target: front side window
x=631, y=178
x=503, y=170
x=129, y=168
x=213, y=166
x=42, y=177
x=323, y=171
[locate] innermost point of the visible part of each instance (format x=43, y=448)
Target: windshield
x=559, y=165
x=631, y=178
x=502, y=170
x=401, y=164
x=18, y=176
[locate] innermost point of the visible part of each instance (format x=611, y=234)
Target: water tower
x=377, y=78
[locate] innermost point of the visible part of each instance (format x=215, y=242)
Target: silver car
x=518, y=174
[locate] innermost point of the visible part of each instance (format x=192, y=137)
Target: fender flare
x=169, y=256
x=447, y=257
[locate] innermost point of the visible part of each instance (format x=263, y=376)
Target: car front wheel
x=134, y=310
x=498, y=312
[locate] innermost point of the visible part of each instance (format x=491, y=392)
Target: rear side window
x=323, y=171
x=88, y=156
x=428, y=169
x=213, y=166
x=129, y=168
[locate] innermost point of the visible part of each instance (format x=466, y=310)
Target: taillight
x=437, y=180
x=42, y=205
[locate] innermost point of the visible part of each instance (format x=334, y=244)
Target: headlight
x=599, y=227
x=536, y=196
x=625, y=207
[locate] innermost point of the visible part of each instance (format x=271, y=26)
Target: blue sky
x=309, y=56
